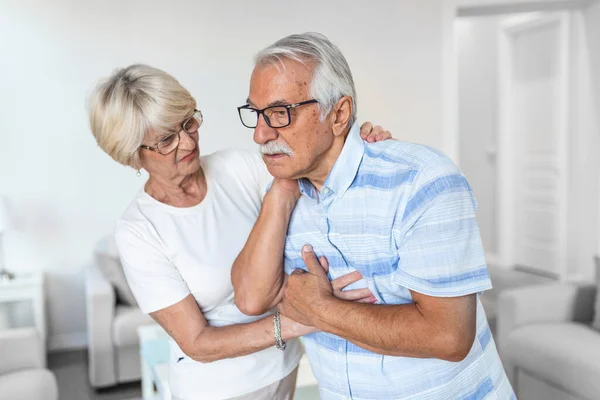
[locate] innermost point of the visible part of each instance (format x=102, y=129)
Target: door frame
x=507, y=142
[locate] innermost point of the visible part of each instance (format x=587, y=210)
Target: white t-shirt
x=169, y=252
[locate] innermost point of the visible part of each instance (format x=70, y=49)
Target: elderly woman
x=180, y=235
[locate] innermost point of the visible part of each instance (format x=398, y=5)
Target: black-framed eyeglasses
x=170, y=142
x=275, y=116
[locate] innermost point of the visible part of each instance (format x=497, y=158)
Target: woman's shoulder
x=134, y=220
x=244, y=166
x=231, y=159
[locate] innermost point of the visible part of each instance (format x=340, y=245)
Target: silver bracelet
x=279, y=343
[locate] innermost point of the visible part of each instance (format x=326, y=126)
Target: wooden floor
x=70, y=369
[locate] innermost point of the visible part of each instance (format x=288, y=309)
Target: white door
x=535, y=77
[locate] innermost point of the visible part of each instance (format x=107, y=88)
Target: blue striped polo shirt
x=404, y=216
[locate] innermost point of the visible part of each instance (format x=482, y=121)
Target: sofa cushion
x=109, y=263
x=566, y=354
x=20, y=348
x=533, y=388
x=125, y=324
x=597, y=308
x=30, y=384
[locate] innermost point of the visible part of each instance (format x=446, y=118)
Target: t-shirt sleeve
x=153, y=279
x=437, y=239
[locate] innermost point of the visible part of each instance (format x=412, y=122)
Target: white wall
x=66, y=193
x=503, y=7
x=477, y=48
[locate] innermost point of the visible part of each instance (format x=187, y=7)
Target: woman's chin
x=192, y=166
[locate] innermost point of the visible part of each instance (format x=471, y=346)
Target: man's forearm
x=396, y=330
x=257, y=273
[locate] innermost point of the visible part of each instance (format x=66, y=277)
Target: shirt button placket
x=344, y=354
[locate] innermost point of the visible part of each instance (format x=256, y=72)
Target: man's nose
x=263, y=132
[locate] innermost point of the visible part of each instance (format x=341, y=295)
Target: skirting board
x=67, y=341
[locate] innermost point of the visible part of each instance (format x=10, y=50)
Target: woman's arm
x=185, y=323
x=161, y=291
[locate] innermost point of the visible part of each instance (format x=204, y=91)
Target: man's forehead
x=278, y=84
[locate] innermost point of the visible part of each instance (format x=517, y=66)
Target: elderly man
x=401, y=215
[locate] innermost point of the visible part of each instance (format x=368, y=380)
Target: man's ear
x=341, y=114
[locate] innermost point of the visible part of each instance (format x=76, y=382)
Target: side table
x=28, y=287
x=154, y=356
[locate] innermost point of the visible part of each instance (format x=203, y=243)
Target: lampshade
x=6, y=222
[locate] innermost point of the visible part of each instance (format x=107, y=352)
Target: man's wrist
x=321, y=317
x=280, y=200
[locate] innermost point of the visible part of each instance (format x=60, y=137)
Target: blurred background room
x=509, y=89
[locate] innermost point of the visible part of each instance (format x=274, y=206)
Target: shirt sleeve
x=153, y=279
x=438, y=242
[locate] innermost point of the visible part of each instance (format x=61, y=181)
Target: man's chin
x=279, y=171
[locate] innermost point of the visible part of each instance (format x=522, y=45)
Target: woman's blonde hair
x=132, y=102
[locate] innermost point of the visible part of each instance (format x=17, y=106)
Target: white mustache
x=273, y=147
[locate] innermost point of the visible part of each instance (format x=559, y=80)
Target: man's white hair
x=331, y=79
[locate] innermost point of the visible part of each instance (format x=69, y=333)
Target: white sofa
x=503, y=279
x=113, y=344
x=22, y=372
x=548, y=346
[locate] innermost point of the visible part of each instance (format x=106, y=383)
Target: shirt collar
x=344, y=170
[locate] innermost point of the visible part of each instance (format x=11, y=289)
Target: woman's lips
x=189, y=156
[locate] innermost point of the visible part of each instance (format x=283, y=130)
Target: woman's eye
x=168, y=140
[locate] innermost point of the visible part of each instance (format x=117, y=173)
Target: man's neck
x=325, y=163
